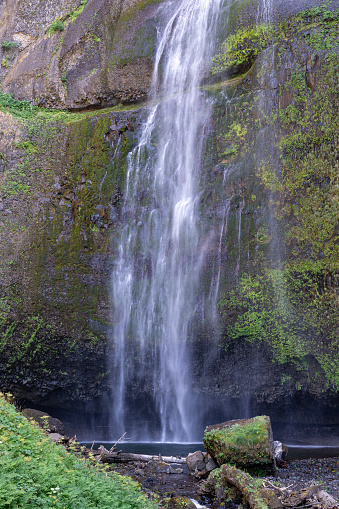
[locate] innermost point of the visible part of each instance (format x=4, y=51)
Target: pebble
x=301, y=473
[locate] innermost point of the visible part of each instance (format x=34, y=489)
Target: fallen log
x=124, y=457
x=220, y=479
x=245, y=484
x=311, y=496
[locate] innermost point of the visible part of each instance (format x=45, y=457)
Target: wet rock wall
x=268, y=222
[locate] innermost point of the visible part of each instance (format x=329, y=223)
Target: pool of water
x=152, y=448
x=300, y=452
x=295, y=451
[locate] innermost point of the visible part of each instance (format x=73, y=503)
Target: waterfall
x=156, y=274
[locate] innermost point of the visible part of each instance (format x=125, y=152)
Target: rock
x=139, y=471
x=218, y=488
x=45, y=421
x=209, y=463
x=56, y=437
x=229, y=482
x=180, y=503
x=195, y=461
x=75, y=70
x=200, y=463
x=244, y=442
x=271, y=498
x=157, y=467
x=172, y=470
x=280, y=450
x=65, y=271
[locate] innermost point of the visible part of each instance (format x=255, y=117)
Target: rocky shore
x=301, y=473
x=298, y=473
x=179, y=480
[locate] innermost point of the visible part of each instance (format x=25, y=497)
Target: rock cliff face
x=65, y=55
x=269, y=196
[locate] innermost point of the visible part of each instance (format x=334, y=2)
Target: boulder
x=246, y=443
x=56, y=437
x=271, y=498
x=45, y=421
x=200, y=463
x=230, y=483
x=280, y=450
x=157, y=467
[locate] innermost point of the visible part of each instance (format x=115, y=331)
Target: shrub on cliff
x=56, y=26
x=34, y=472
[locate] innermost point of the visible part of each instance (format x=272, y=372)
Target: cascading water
x=155, y=278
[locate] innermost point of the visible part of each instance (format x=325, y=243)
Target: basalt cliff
x=75, y=79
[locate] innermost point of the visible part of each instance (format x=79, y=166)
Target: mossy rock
x=180, y=503
x=246, y=443
x=230, y=484
x=44, y=420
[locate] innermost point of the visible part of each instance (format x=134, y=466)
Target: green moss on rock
x=244, y=442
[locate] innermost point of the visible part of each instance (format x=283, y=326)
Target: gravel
x=301, y=473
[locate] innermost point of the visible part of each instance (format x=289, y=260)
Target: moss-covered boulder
x=246, y=443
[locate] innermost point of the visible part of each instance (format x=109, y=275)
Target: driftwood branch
x=283, y=490
x=123, y=457
x=116, y=443
x=312, y=496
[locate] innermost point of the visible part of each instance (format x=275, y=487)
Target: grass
x=35, y=472
x=25, y=110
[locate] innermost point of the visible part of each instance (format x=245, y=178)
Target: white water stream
x=156, y=274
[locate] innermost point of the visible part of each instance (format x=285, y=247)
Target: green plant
x=27, y=146
x=93, y=37
x=73, y=16
x=56, y=26
x=4, y=63
x=9, y=44
x=35, y=472
x=241, y=47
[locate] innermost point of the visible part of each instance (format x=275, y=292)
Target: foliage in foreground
x=34, y=472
